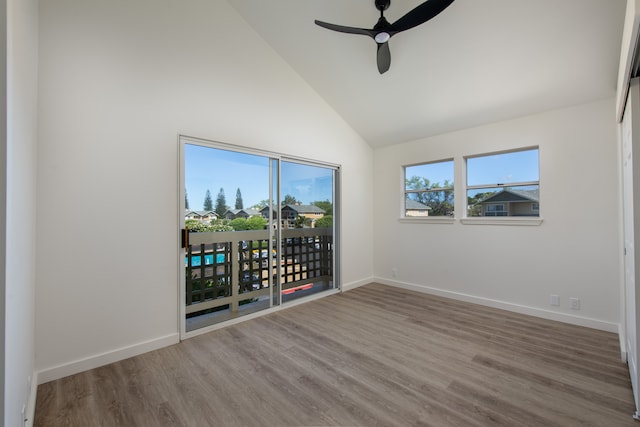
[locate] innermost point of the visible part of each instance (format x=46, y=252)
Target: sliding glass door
x=258, y=231
x=307, y=232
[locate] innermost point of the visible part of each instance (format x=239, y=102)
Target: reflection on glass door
x=307, y=236
x=258, y=232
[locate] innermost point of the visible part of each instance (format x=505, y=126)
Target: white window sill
x=502, y=220
x=427, y=220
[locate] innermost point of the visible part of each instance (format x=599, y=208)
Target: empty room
x=319, y=212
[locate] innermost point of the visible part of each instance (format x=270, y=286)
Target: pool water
x=196, y=260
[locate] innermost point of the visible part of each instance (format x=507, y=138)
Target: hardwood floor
x=375, y=355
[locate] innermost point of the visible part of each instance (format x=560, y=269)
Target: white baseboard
x=522, y=309
x=95, y=361
x=74, y=367
x=81, y=365
x=353, y=285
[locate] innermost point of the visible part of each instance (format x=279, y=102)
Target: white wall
x=119, y=80
x=574, y=253
x=22, y=57
x=3, y=200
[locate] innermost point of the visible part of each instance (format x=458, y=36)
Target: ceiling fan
x=383, y=30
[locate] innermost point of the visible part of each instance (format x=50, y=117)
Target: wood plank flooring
x=373, y=356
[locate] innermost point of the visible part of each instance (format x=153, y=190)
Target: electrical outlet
x=574, y=303
x=555, y=300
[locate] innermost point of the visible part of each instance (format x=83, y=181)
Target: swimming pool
x=208, y=260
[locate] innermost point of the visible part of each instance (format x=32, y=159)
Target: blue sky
x=212, y=169
x=438, y=172
x=505, y=168
x=518, y=166
x=307, y=183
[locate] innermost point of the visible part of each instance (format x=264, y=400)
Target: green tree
x=290, y=200
x=253, y=223
x=221, y=204
x=256, y=223
x=186, y=199
x=474, y=209
x=325, y=222
x=440, y=202
x=479, y=197
x=325, y=205
x=208, y=202
x=261, y=204
x=239, y=203
x=239, y=224
x=194, y=225
x=302, y=221
x=219, y=225
x=215, y=225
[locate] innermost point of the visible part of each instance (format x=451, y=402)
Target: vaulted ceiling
x=479, y=61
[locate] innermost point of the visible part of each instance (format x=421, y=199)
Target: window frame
x=460, y=186
x=405, y=192
x=499, y=220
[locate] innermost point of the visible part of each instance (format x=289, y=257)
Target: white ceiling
x=479, y=61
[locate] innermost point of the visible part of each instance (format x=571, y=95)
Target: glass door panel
x=226, y=261
x=307, y=230
x=258, y=232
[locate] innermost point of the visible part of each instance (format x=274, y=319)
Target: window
x=503, y=184
x=495, y=209
x=428, y=190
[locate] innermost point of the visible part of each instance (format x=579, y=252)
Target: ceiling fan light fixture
x=382, y=37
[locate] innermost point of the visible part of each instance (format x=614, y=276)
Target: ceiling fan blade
x=420, y=14
x=343, y=29
x=384, y=57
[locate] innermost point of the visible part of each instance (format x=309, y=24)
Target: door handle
x=185, y=238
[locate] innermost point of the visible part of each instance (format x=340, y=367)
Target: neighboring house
x=202, y=216
x=241, y=213
x=510, y=202
x=415, y=208
x=265, y=213
x=289, y=213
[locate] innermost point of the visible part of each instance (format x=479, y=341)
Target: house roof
x=249, y=212
x=415, y=205
x=304, y=209
x=201, y=213
x=511, y=195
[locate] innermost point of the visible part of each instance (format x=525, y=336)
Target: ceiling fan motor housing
x=382, y=4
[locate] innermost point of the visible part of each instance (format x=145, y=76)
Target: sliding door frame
x=275, y=161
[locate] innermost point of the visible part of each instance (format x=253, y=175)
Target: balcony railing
x=225, y=270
